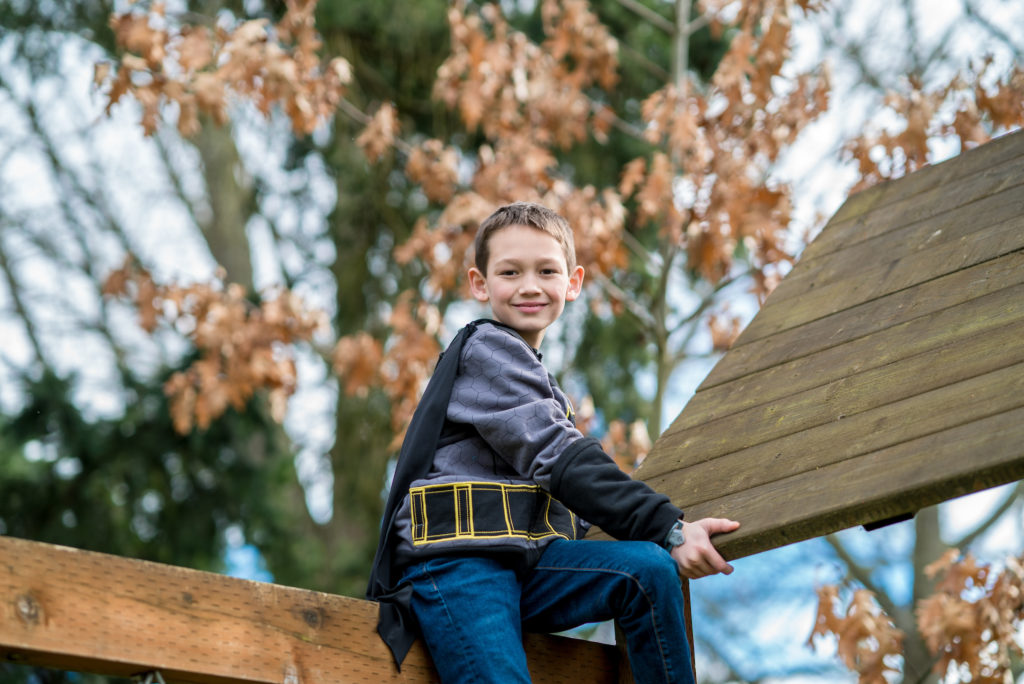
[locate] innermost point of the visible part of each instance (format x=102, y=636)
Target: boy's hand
x=698, y=557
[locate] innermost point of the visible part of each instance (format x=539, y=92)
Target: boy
x=482, y=535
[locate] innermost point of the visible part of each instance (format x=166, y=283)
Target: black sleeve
x=589, y=483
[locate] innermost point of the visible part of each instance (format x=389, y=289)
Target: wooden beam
x=810, y=452
x=871, y=317
x=956, y=239
x=841, y=399
x=78, y=610
x=885, y=273
x=929, y=192
x=772, y=387
x=903, y=478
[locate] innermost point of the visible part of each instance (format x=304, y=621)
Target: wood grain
x=840, y=399
x=941, y=293
x=923, y=195
x=944, y=292
x=845, y=438
x=903, y=478
x=910, y=188
x=945, y=241
x=73, y=609
x=880, y=276
x=885, y=373
x=901, y=341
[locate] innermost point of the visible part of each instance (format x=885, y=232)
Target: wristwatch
x=675, y=536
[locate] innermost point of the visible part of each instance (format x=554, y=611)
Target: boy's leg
x=468, y=610
x=636, y=583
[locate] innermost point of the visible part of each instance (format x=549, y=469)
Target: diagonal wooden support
x=79, y=610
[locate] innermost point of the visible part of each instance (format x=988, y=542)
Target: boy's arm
x=586, y=479
x=503, y=391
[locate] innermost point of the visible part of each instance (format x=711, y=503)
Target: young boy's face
x=527, y=281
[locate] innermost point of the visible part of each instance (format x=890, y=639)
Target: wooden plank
x=885, y=374
x=846, y=438
x=904, y=305
x=840, y=399
x=990, y=155
x=956, y=229
x=880, y=279
x=966, y=182
x=79, y=610
x=916, y=336
x=971, y=191
x=878, y=486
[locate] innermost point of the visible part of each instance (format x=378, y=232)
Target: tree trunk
x=928, y=547
x=359, y=456
x=231, y=197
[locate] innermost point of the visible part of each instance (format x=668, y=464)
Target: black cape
x=396, y=623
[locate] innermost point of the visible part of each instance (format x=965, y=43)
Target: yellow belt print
x=486, y=510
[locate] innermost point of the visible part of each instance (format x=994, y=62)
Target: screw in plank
x=29, y=609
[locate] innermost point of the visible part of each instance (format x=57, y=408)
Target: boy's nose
x=529, y=284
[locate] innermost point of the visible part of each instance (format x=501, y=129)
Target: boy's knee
x=653, y=565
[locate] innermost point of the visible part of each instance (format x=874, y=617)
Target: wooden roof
x=884, y=374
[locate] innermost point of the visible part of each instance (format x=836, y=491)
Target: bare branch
x=621, y=125
x=19, y=307
x=853, y=51
x=682, y=45
x=862, y=575
x=690, y=322
x=362, y=118
x=997, y=513
x=633, y=307
x=652, y=67
x=649, y=15
x=698, y=23
x=972, y=13
x=640, y=250
x=71, y=190
x=912, y=30
x=940, y=50
x=175, y=178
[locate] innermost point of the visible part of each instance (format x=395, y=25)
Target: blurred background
x=221, y=290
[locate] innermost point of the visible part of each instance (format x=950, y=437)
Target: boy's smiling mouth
x=529, y=307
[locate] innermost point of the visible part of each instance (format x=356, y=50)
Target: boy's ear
x=575, y=284
x=478, y=285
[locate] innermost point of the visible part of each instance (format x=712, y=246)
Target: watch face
x=675, y=536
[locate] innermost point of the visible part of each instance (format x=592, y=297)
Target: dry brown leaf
x=357, y=360
x=867, y=639
x=241, y=59
x=242, y=348
x=379, y=134
x=435, y=168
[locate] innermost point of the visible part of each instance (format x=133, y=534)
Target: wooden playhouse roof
x=884, y=374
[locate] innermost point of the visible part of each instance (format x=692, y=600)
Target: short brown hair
x=524, y=214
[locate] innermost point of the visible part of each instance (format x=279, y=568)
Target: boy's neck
x=509, y=328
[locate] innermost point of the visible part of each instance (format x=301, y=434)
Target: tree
x=660, y=130
x=970, y=623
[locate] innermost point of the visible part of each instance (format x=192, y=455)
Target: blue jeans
x=473, y=610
